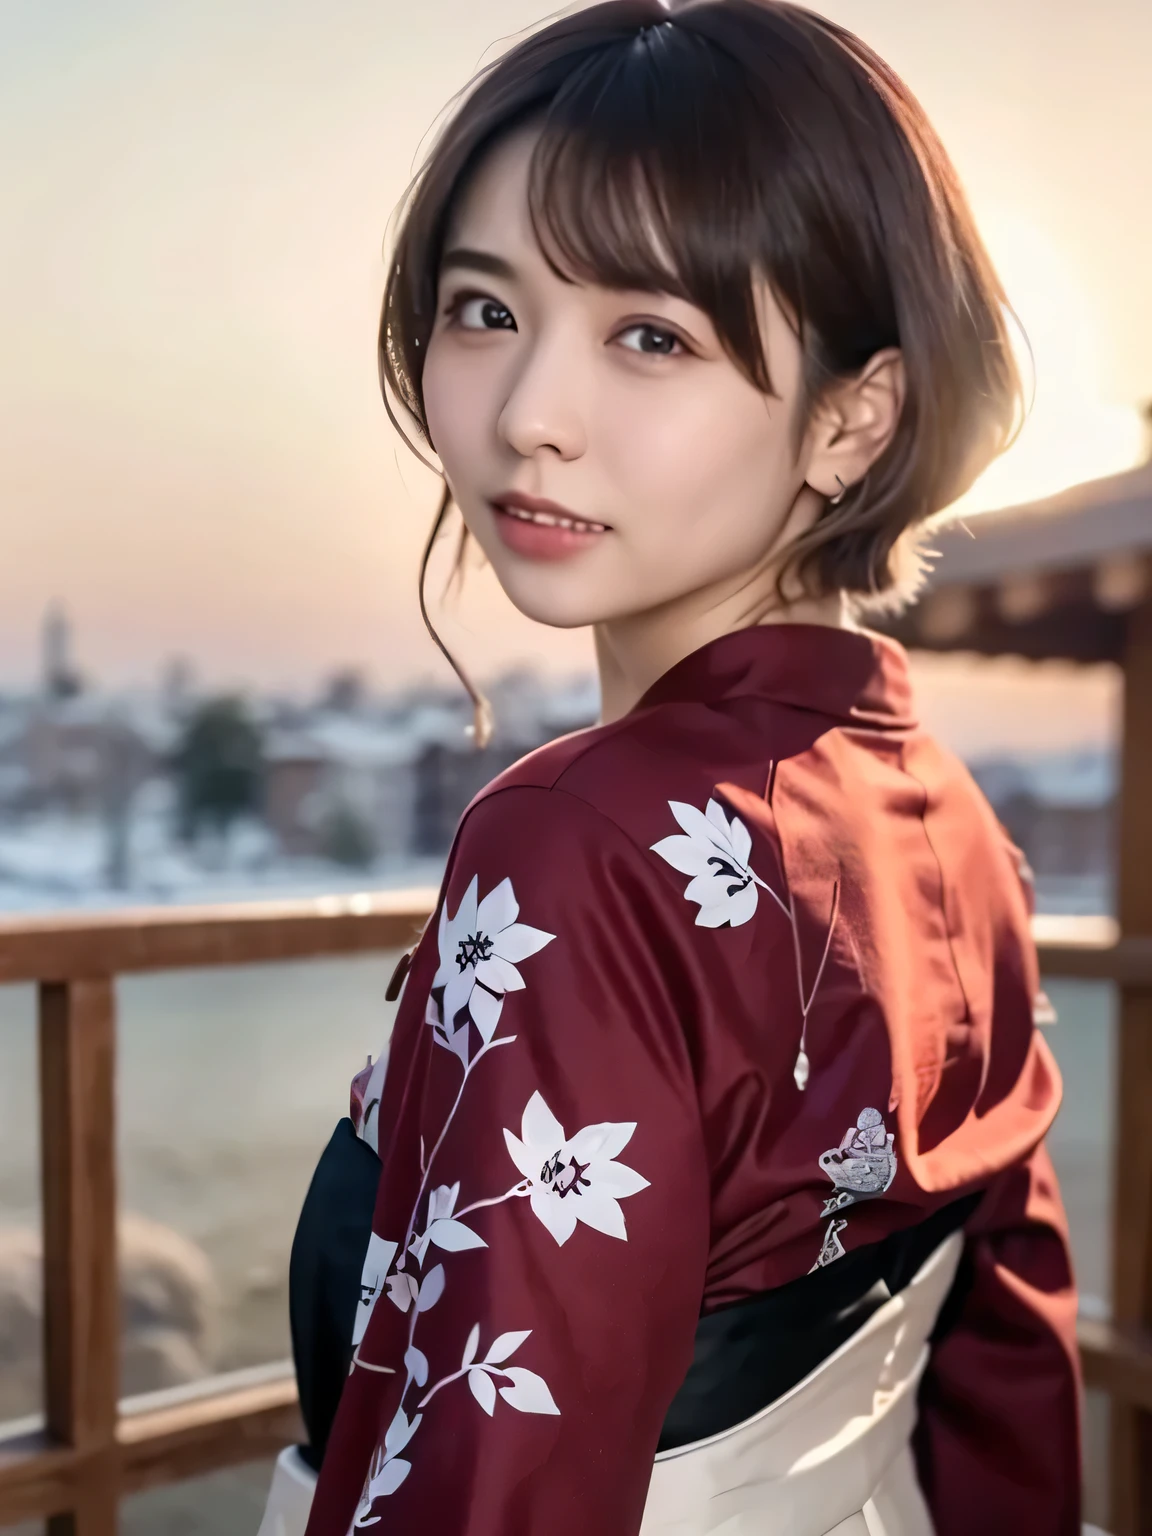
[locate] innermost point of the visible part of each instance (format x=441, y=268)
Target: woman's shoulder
x=624, y=777
x=654, y=811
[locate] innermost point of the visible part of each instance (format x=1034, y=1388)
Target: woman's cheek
x=649, y=445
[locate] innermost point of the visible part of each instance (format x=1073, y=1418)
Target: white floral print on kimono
x=573, y=1179
x=479, y=950
x=678, y=993
x=567, y=1180
x=715, y=852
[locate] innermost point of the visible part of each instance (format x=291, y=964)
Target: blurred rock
x=156, y=1358
x=166, y=1282
x=170, y=1312
x=20, y=1299
x=19, y=1323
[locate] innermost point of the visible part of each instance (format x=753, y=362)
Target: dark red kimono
x=714, y=995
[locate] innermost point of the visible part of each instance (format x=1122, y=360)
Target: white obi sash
x=831, y=1455
x=290, y=1496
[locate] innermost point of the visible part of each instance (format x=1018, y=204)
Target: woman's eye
x=652, y=340
x=480, y=314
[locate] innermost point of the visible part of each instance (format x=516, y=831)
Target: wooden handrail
x=61, y=948
x=1117, y=1360
x=90, y=1453
x=55, y=948
x=225, y=1425
x=78, y=1201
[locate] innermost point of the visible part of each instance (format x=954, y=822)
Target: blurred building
x=340, y=787
x=1060, y=808
x=363, y=783
x=1059, y=578
x=72, y=750
x=58, y=676
x=1066, y=578
x=90, y=791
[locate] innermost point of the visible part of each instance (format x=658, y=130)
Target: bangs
x=710, y=152
x=624, y=189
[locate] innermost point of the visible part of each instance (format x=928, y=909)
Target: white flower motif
x=479, y=950
x=715, y=853
x=574, y=1179
x=441, y=1204
x=442, y=1201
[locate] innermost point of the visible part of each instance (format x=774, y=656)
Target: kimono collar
x=852, y=675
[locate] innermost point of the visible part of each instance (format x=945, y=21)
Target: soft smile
x=543, y=530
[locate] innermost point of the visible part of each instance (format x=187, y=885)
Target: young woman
x=712, y=1194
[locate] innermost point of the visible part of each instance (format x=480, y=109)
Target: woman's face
x=605, y=451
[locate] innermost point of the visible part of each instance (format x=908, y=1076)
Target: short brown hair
x=704, y=148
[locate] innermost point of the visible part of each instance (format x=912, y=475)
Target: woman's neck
x=632, y=653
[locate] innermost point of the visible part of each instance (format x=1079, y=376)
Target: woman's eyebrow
x=477, y=261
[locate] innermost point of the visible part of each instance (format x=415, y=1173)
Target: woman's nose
x=544, y=409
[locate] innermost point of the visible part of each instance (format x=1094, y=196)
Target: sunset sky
x=193, y=456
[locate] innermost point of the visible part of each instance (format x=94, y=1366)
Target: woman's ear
x=853, y=422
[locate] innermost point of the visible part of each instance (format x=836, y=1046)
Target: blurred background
x=214, y=683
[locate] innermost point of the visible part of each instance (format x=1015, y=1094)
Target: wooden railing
x=92, y=1449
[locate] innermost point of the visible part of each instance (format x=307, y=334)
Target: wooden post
x=1131, y=1512
x=81, y=1291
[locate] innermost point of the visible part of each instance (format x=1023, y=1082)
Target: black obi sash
x=745, y=1356
x=324, y=1278
x=749, y=1354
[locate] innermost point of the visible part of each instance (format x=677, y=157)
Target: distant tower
x=59, y=678
x=346, y=691
x=178, y=686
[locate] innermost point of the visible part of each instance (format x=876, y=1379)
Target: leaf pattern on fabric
x=529, y=1393
x=525, y=1390
x=388, y=1469
x=442, y=1228
x=483, y=1389
x=567, y=1180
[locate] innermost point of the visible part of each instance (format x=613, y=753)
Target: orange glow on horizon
x=1072, y=433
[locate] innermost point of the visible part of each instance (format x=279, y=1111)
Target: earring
x=834, y=501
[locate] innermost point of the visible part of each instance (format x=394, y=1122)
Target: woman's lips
x=543, y=530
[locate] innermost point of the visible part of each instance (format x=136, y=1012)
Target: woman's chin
x=565, y=616
x=546, y=602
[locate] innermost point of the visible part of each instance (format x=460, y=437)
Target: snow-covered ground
x=55, y=862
